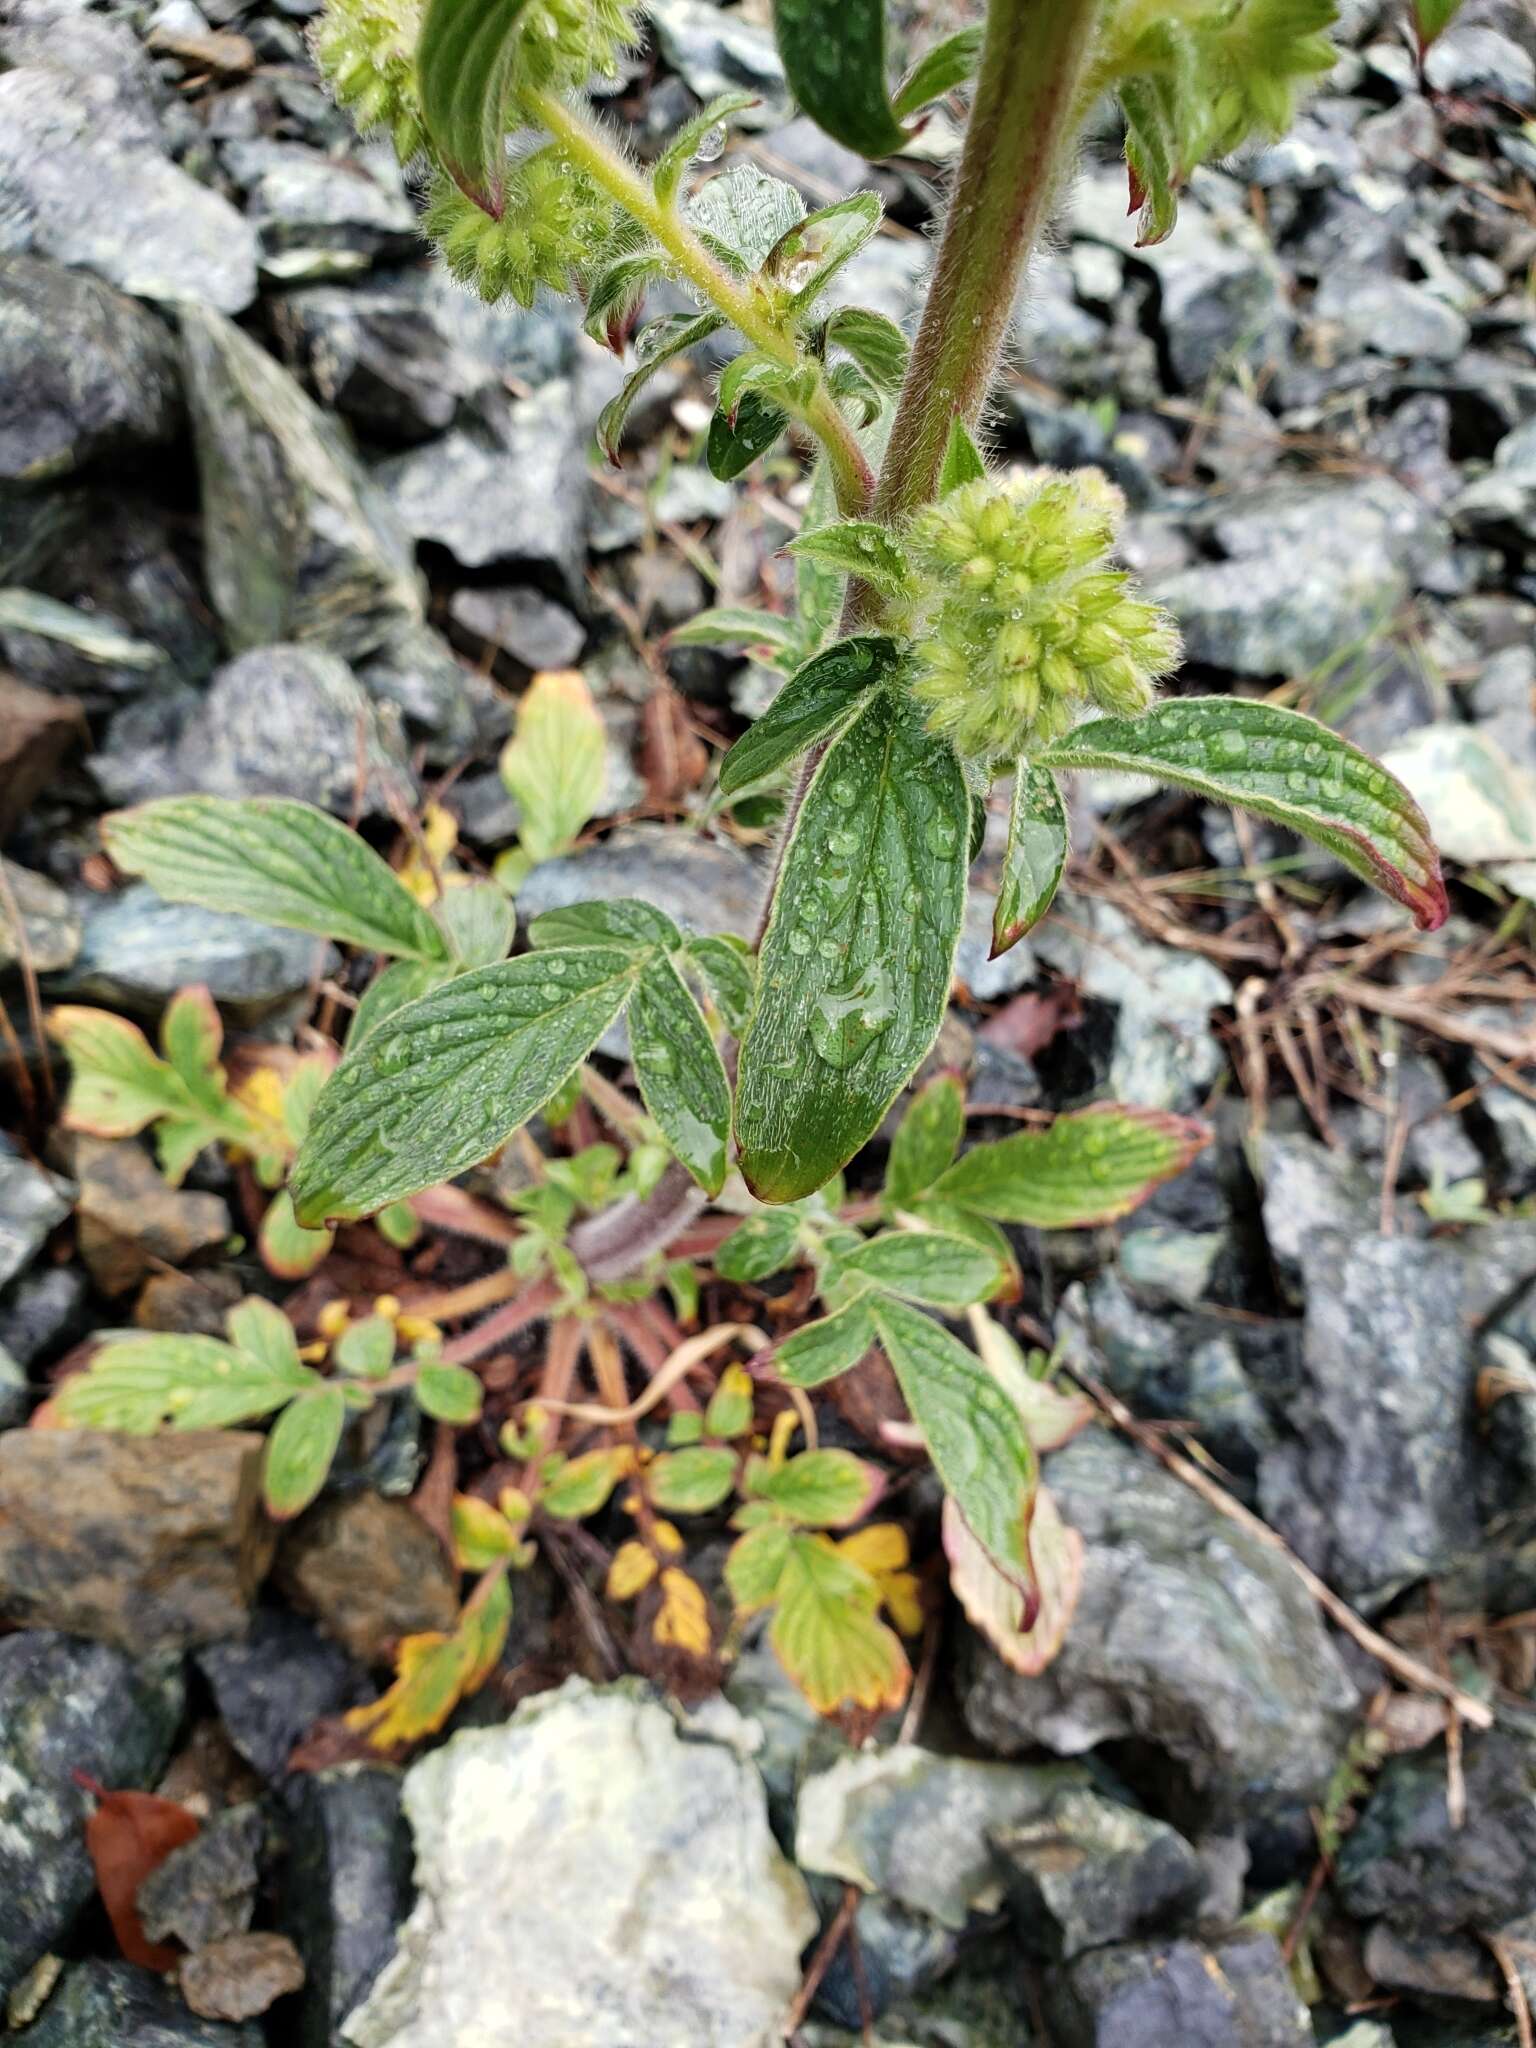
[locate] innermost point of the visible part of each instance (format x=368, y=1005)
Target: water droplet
x=1312, y=753
x=941, y=835
x=799, y=943
x=842, y=841
x=1297, y=783
x=657, y=1059
x=912, y=897
x=1230, y=745
x=842, y=792
x=554, y=965
x=392, y=1056
x=846, y=1020
x=711, y=144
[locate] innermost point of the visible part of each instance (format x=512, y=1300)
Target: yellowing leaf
x=828, y=1635
x=683, y=1623
x=730, y=1406
x=555, y=764
x=439, y=836
x=882, y=1551
x=755, y=1566
x=480, y=1534
x=583, y=1485
x=632, y=1570
x=434, y=1672
x=1026, y=1641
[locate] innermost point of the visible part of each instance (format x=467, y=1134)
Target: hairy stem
x=584, y=142
x=1017, y=144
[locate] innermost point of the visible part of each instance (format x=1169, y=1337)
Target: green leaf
x=944, y=68
x=926, y=1140
x=655, y=346
x=300, y=1449
x=582, y=1485
x=760, y=1246
x=962, y=463
x=828, y=1635
x=927, y=1266
x=857, y=547
x=464, y=74
x=1038, y=842
x=1431, y=18
x=1026, y=1627
x=974, y=1436
x=682, y=1079
x=672, y=165
x=834, y=58
x=270, y=858
x=819, y=1351
x=1287, y=767
x=449, y=1393
x=556, y=762
x=756, y=1564
x=479, y=922
x=616, y=294
x=1153, y=154
x=752, y=370
x=819, y=1489
x=439, y=1085
x=876, y=344
x=806, y=258
x=1089, y=1167
x=621, y=921
x=742, y=213
x=734, y=444
x=142, y=1381
x=261, y=1330
x=734, y=626
x=810, y=704
x=365, y=1349
x=731, y=1405
x=855, y=967
x=288, y=1250
x=482, y=1535
x=691, y=1482
x=401, y=982
x=728, y=967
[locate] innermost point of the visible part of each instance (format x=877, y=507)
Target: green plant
x=981, y=630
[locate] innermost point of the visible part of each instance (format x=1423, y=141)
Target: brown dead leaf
x=1029, y=1023
x=129, y=1835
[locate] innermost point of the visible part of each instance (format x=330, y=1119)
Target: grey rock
x=291, y=721
x=1367, y=309
x=455, y=710
x=32, y=1202
x=1312, y=566
x=147, y=1553
x=66, y=1705
x=1189, y=1635
x=137, y=950
x=106, y=2005
x=42, y=1313
x=318, y=216
x=299, y=543
x=66, y=647
x=73, y=41
x=1087, y=1872
x=1379, y=1491
x=1472, y=58
x=899, y=1953
x=524, y=623
x=1430, y=1964
x=1504, y=701
x=1237, y=1994
x=512, y=492
x=706, y=885
x=916, y=1826
x=346, y=1886
x=1501, y=504
x=1406, y=1861
x=62, y=137
x=15, y=1394
x=1479, y=800
x=718, y=50
x=114, y=388
x=377, y=354
x=206, y=1889
x=663, y=1909
x=273, y=1683
x=44, y=927
x=1308, y=1187
x=1436, y=1146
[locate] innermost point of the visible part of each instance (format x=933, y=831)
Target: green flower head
x=366, y=52
x=553, y=226
x=1019, y=621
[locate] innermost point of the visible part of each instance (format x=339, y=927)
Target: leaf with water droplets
x=978, y=1444
x=672, y=165
x=962, y=463
x=857, y=547
x=928, y=1266
x=728, y=968
x=804, y=260
x=620, y=921
x=443, y=1082
x=926, y=1140
x=947, y=65
x=834, y=58
x=617, y=293
x=855, y=966
x=819, y=1351
x=875, y=343
x=1287, y=767
x=463, y=68
x=742, y=213
x=300, y=1450
x=736, y=439
x=672, y=335
x=682, y=1080
x=271, y=858
x=1089, y=1167
x=1038, y=840
x=810, y=704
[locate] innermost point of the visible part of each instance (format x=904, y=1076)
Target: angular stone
x=273, y=1683
x=300, y=543
x=67, y=1706
x=663, y=1910
x=1480, y=800
x=45, y=930
x=376, y=353
x=109, y=2005
x=1190, y=1635
x=1308, y=1187
x=346, y=1887
x=148, y=1552
x=129, y=1220
x=137, y=950
x=1381, y=1488
x=370, y=1571
x=452, y=708
x=115, y=387
x=32, y=1203
x=1087, y=1872
x=207, y=1888
x=240, y=1975
x=523, y=623
x=62, y=138
x=317, y=216
x=1237, y=1994
x=707, y=886
x=37, y=729
x=1389, y=315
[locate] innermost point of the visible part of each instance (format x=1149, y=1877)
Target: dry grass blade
x=689, y=1355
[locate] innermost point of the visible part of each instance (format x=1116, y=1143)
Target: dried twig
x=1519, y=2004
x=821, y=1961
x=1473, y=1711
